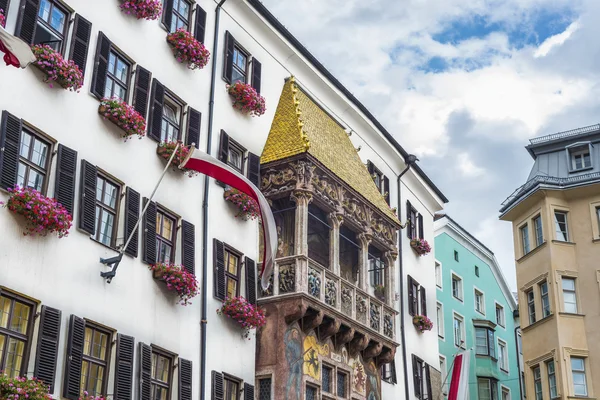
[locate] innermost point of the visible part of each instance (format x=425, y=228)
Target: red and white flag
x=459, y=385
x=205, y=164
x=16, y=52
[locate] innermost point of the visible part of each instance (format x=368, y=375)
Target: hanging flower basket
x=142, y=9
x=44, y=215
x=124, y=116
x=247, y=207
x=86, y=396
x=23, y=388
x=2, y=18
x=165, y=150
x=187, y=49
x=420, y=246
x=64, y=72
x=244, y=313
x=177, y=279
x=422, y=323
x=246, y=99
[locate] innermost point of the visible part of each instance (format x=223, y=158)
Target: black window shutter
x=80, y=42
x=411, y=296
x=71, y=386
x=423, y=301
x=145, y=369
x=87, y=198
x=185, y=380
x=47, y=346
x=416, y=380
x=421, y=233
x=27, y=20
x=219, y=269
x=156, y=110
x=224, y=147
x=193, y=131
x=393, y=368
x=370, y=168
x=10, y=139
x=188, y=246
x=386, y=189
x=200, y=24
x=248, y=391
x=409, y=227
x=141, y=92
x=250, y=280
x=4, y=6
x=66, y=169
x=124, y=367
x=228, y=67
x=256, y=74
x=149, y=236
x=168, y=13
x=100, y=65
x=428, y=382
x=218, y=386
x=254, y=169
x=132, y=215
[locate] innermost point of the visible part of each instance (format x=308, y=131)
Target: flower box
x=247, y=315
x=178, y=279
x=124, y=116
x=422, y=323
x=64, y=72
x=86, y=396
x=246, y=99
x=44, y=215
x=142, y=9
x=420, y=246
x=165, y=150
x=23, y=388
x=247, y=207
x=187, y=49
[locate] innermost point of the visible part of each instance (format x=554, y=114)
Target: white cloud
x=556, y=40
x=467, y=167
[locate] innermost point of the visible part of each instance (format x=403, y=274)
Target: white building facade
x=65, y=149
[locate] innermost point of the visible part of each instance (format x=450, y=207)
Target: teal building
x=475, y=311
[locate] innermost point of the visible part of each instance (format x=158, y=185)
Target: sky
x=464, y=85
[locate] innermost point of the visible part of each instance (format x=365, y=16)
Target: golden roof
x=301, y=126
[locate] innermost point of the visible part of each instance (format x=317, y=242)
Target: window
x=502, y=356
x=455, y=255
x=235, y=155
x=170, y=126
x=438, y=274
x=598, y=216
x=342, y=378
x=569, y=295
x=551, y=379
x=440, y=320
x=318, y=236
x=311, y=393
x=500, y=315
x=33, y=161
x=16, y=319
x=487, y=389
x=477, y=271
x=232, y=388
x=457, y=291
x=181, y=15
x=562, y=229
x=531, y=306
x=479, y=302
x=349, y=254
x=412, y=218
x=579, y=378
x=165, y=237
x=484, y=342
x=422, y=380
x=413, y=296
x=505, y=394
x=117, y=76
x=459, y=327
x=537, y=383
x=94, y=367
x=232, y=272
x=52, y=21
x=160, y=378
x=525, y=239
x=545, y=299
x=539, y=233
x=444, y=373
x=388, y=372
x=264, y=389
x=107, y=194
x=580, y=157
x=326, y=375
x=239, y=71
x=376, y=266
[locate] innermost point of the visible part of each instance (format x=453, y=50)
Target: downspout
x=211, y=108
x=410, y=160
x=516, y=316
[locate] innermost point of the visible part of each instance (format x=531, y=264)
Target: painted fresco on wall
x=359, y=376
x=293, y=356
x=312, y=350
x=373, y=381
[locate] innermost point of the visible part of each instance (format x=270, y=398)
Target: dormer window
x=579, y=156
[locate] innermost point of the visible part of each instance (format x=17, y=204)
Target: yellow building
x=556, y=217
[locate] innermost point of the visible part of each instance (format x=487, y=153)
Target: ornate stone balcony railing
x=298, y=274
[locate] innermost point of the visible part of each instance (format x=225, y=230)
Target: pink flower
x=143, y=9
x=187, y=49
x=246, y=99
x=247, y=206
x=177, y=279
x=124, y=116
x=166, y=149
x=244, y=313
x=64, y=72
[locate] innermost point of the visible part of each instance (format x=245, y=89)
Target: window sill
x=504, y=370
x=441, y=337
x=461, y=300
x=596, y=240
x=563, y=242
x=576, y=171
x=537, y=323
x=535, y=250
x=581, y=397
x=103, y=245
x=568, y=314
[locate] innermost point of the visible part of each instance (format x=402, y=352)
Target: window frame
x=236, y=146
x=492, y=387
x=379, y=183
x=477, y=291
x=261, y=379
x=536, y=372
x=458, y=317
x=456, y=257
x=444, y=372
x=117, y=210
x=96, y=361
x=160, y=210
x=27, y=337
x=236, y=253
x=391, y=378
x=564, y=278
x=332, y=373
x=490, y=342
x=552, y=378
x=240, y=49
x=339, y=372
x=505, y=361
x=175, y=14
x=45, y=139
x=413, y=217
x=525, y=240
x=503, y=390
x=116, y=81
x=597, y=209
x=546, y=297
x=171, y=357
x=538, y=230
x=306, y=386
x=179, y=106
x=63, y=35
x=579, y=149
x=557, y=226
x=502, y=321
x=583, y=372
x=440, y=326
x=531, y=313
x=460, y=288
x=439, y=278
x=476, y=271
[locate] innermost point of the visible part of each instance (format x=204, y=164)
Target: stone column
x=390, y=274
x=364, y=240
x=335, y=220
x=302, y=200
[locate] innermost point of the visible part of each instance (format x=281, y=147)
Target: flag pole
x=114, y=261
